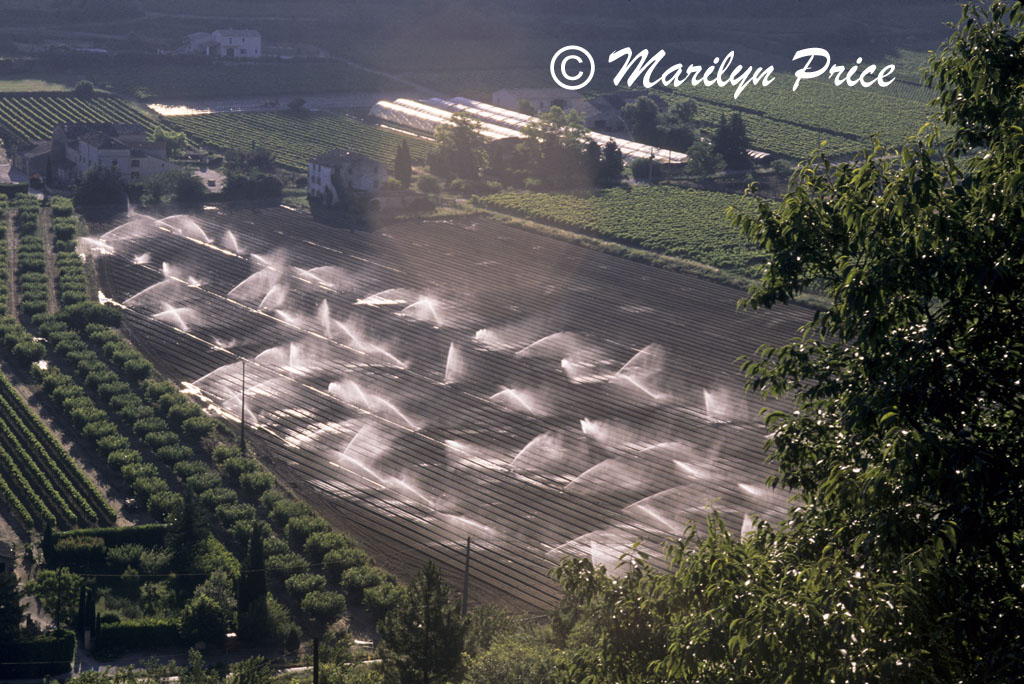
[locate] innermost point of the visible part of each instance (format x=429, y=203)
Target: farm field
x=33, y=117
x=297, y=137
x=428, y=382
x=684, y=223
x=40, y=483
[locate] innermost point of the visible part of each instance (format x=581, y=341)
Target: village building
x=338, y=172
x=229, y=43
x=77, y=147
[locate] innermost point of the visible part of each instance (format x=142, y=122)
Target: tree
x=403, y=165
x=175, y=140
x=84, y=89
x=202, y=620
x=101, y=189
x=189, y=189
x=58, y=591
x=188, y=529
x=904, y=559
x=704, y=161
x=422, y=637
x=524, y=106
x=730, y=141
x=253, y=583
x=460, y=149
x=612, y=164
x=324, y=607
x=12, y=616
x=253, y=670
x=554, y=149
x=641, y=119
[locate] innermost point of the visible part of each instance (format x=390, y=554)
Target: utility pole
x=241, y=439
x=465, y=582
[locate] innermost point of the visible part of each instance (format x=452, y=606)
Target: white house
x=126, y=148
x=338, y=171
x=230, y=43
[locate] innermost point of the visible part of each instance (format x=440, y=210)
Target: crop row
x=778, y=137
x=684, y=223
x=298, y=137
x=33, y=117
x=821, y=105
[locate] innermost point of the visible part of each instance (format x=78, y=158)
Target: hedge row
x=4, y=294
x=27, y=208
x=37, y=657
x=135, y=635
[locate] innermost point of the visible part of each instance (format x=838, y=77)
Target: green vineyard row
x=33, y=117
x=297, y=137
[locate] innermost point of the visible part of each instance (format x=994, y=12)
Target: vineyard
x=296, y=138
x=820, y=105
x=33, y=117
x=679, y=222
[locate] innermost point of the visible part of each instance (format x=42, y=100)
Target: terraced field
x=433, y=381
x=33, y=117
x=297, y=137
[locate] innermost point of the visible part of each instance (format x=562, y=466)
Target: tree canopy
x=902, y=558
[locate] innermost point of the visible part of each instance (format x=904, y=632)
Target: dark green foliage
x=39, y=656
x=11, y=612
x=903, y=562
x=252, y=586
x=460, y=149
x=145, y=634
x=324, y=607
x=302, y=584
x=403, y=165
x=731, y=143
x=337, y=561
x=422, y=637
x=101, y=191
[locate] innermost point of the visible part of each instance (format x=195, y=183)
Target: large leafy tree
x=461, y=152
x=422, y=636
x=903, y=558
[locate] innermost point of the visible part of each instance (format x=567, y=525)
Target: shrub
x=198, y=427
x=181, y=409
x=338, y=561
x=28, y=352
x=236, y=465
x=186, y=469
x=223, y=452
x=80, y=315
x=383, y=597
x=355, y=580
x=146, y=425
x=285, y=564
x=201, y=482
x=303, y=583
x=97, y=429
x=112, y=442
x=161, y=438
x=162, y=503
x=122, y=457
x=215, y=496
x=319, y=543
x=298, y=529
x=285, y=509
x=173, y=453
x=256, y=482
x=324, y=606
x=231, y=513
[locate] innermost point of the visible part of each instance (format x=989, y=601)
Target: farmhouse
x=126, y=148
x=230, y=43
x=335, y=173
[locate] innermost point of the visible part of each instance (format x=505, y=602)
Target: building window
x=243, y=51
x=135, y=163
x=113, y=164
x=135, y=175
